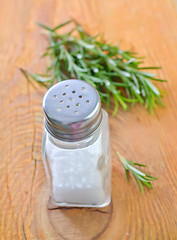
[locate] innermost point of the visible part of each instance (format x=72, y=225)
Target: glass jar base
x=52, y=204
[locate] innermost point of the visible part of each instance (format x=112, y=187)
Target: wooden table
x=150, y=27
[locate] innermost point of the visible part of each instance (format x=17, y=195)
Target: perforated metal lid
x=72, y=110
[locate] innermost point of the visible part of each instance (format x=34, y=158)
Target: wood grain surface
x=150, y=27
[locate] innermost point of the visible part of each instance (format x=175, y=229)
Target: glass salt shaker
x=76, y=145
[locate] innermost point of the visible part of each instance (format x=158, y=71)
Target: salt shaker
x=76, y=145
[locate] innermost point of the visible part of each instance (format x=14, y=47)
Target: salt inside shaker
x=76, y=145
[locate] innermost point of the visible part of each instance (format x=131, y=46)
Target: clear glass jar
x=78, y=168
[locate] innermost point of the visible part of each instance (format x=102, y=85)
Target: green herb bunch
x=113, y=72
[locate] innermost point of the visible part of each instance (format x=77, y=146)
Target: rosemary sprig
x=140, y=177
x=112, y=71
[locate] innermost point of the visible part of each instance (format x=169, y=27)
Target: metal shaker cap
x=72, y=110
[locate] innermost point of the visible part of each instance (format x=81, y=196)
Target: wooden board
x=150, y=27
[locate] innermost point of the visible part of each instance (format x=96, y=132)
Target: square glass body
x=79, y=173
